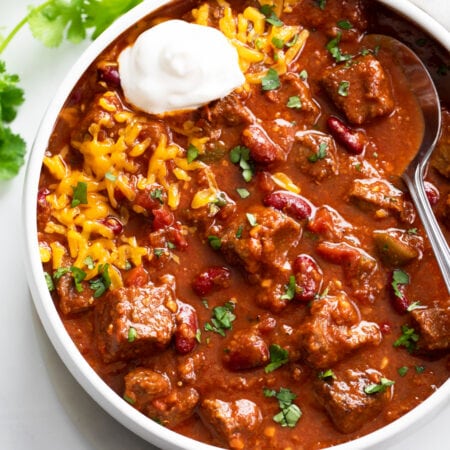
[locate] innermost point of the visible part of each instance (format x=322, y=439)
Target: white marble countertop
x=42, y=407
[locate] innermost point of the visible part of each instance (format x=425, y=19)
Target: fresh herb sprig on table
x=51, y=22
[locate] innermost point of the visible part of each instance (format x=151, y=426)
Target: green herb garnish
x=100, y=284
x=271, y=17
x=290, y=413
x=278, y=357
x=271, y=80
x=222, y=319
x=79, y=194
x=49, y=281
x=378, y=387
x=241, y=155
x=132, y=334
x=291, y=288
x=343, y=88
x=192, y=153
x=344, y=25
x=402, y=371
x=215, y=242
x=294, y=102
x=335, y=51
x=321, y=153
x=399, y=278
x=326, y=375
x=408, y=339
x=243, y=193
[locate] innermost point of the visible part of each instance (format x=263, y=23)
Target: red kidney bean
x=212, y=278
x=186, y=330
x=432, y=192
x=290, y=203
x=114, y=224
x=399, y=300
x=308, y=277
x=109, y=74
x=262, y=148
x=353, y=140
x=162, y=218
x=137, y=276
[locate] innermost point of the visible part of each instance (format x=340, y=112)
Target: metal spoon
x=423, y=87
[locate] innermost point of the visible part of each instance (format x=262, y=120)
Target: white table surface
x=42, y=407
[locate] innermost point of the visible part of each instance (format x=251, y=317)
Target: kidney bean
x=114, y=224
x=353, y=140
x=110, y=74
x=399, y=300
x=432, y=192
x=186, y=329
x=262, y=148
x=290, y=203
x=308, y=277
x=212, y=278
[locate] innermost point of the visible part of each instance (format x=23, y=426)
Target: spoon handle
x=437, y=240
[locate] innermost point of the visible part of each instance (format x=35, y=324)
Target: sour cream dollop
x=178, y=65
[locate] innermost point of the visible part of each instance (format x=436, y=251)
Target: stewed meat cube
x=346, y=400
x=134, y=321
x=361, y=89
x=231, y=421
x=152, y=394
x=433, y=325
x=333, y=329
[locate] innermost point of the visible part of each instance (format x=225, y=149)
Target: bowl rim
x=112, y=403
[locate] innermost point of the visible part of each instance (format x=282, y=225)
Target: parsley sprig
x=50, y=22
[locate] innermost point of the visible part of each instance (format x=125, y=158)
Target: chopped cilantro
x=413, y=231
x=198, y=335
x=271, y=17
x=408, y=339
x=402, y=371
x=100, y=284
x=78, y=276
x=58, y=273
x=158, y=252
x=326, y=375
x=278, y=357
x=321, y=153
x=290, y=413
x=399, y=278
x=378, y=387
x=303, y=75
x=239, y=231
x=171, y=245
x=344, y=24
x=271, y=80
x=132, y=334
x=157, y=194
x=192, y=153
x=420, y=369
x=49, y=281
x=215, y=242
x=294, y=102
x=335, y=51
x=291, y=288
x=79, y=194
x=343, y=88
x=277, y=42
x=222, y=319
x=321, y=4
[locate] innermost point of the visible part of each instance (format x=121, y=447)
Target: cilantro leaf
x=399, y=278
x=321, y=153
x=278, y=357
x=11, y=96
x=290, y=413
x=12, y=152
x=408, y=339
x=100, y=284
x=271, y=17
x=378, y=387
x=79, y=194
x=222, y=319
x=192, y=153
x=291, y=289
x=271, y=80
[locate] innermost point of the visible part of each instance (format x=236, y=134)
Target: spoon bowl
x=422, y=85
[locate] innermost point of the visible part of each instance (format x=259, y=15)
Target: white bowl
x=80, y=369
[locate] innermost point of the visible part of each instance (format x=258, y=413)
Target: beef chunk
x=330, y=225
x=134, y=321
x=345, y=401
x=441, y=154
x=228, y=111
x=369, y=92
x=152, y=394
x=360, y=269
x=383, y=197
x=70, y=300
x=231, y=421
x=434, y=328
x=246, y=350
x=334, y=329
x=307, y=112
x=315, y=154
x=259, y=247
